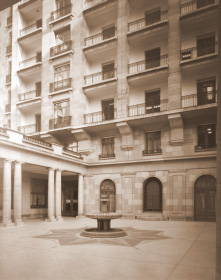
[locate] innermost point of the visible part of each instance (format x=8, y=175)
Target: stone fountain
x=103, y=229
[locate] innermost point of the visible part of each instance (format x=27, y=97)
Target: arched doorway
x=107, y=196
x=204, y=198
x=152, y=195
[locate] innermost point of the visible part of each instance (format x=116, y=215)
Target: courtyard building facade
x=108, y=105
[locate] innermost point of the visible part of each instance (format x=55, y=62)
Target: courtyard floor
x=166, y=250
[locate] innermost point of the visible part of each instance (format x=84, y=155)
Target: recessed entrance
x=204, y=199
x=69, y=198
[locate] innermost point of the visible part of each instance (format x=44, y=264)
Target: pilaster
x=80, y=195
x=17, y=193
x=58, y=194
x=51, y=217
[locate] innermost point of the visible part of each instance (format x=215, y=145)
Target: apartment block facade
x=109, y=105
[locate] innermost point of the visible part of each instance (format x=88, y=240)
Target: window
x=107, y=109
x=152, y=16
x=152, y=195
x=61, y=77
x=206, y=45
x=62, y=35
x=152, y=101
x=108, y=71
x=108, y=32
x=206, y=91
x=206, y=136
x=62, y=109
x=38, y=122
x=152, y=58
x=107, y=147
x=39, y=193
x=72, y=146
x=203, y=3
x=153, y=143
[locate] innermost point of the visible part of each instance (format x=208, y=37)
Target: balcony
x=100, y=77
x=29, y=95
x=60, y=49
x=60, y=13
x=28, y=129
x=143, y=109
x=152, y=152
x=100, y=37
x=195, y=5
x=9, y=21
x=143, y=66
x=199, y=99
x=100, y=116
x=107, y=156
x=32, y=61
x=7, y=108
x=60, y=85
x=8, y=79
x=31, y=28
x=60, y=122
x=143, y=24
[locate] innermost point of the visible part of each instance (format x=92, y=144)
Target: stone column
x=17, y=193
x=80, y=195
x=58, y=195
x=51, y=217
x=6, y=207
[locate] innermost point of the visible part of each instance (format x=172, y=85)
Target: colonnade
x=54, y=194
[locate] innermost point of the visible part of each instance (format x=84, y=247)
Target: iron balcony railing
x=29, y=95
x=142, y=109
x=154, y=151
x=64, y=47
x=27, y=129
x=141, y=66
x=141, y=23
x=68, y=150
x=105, y=156
x=7, y=108
x=8, y=79
x=192, y=6
x=98, y=38
x=100, y=116
x=9, y=20
x=31, y=28
x=30, y=61
x=60, y=122
x=199, y=51
x=99, y=77
x=9, y=49
x=90, y=3
x=39, y=142
x=61, y=12
x=198, y=99
x=59, y=85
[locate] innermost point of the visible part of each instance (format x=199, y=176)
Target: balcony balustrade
x=106, y=156
x=39, y=142
x=98, y=38
x=59, y=49
x=199, y=51
x=99, y=77
x=142, y=23
x=8, y=79
x=69, y=151
x=30, y=61
x=60, y=85
x=29, y=95
x=141, y=66
x=27, y=129
x=192, y=6
x=150, y=152
x=9, y=49
x=100, y=116
x=9, y=20
x=199, y=99
x=60, y=122
x=91, y=3
x=7, y=108
x=31, y=28
x=61, y=12
x=142, y=109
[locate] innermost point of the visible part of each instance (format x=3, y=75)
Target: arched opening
x=152, y=195
x=107, y=196
x=204, y=198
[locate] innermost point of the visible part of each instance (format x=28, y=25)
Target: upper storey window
x=62, y=3
x=62, y=35
x=203, y=3
x=153, y=16
x=207, y=136
x=152, y=58
x=108, y=71
x=206, y=44
x=108, y=32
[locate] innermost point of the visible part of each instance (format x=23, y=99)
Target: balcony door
x=107, y=109
x=38, y=122
x=108, y=71
x=152, y=58
x=152, y=17
x=206, y=92
x=152, y=101
x=203, y=3
x=206, y=45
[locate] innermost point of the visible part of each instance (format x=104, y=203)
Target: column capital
x=59, y=170
x=50, y=169
x=18, y=162
x=7, y=160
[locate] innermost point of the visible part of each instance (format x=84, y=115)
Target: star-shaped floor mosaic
x=134, y=237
